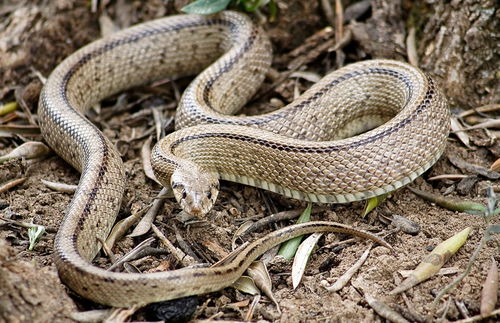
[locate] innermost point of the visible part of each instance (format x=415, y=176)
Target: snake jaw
x=196, y=190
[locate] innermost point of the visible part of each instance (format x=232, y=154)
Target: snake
x=363, y=130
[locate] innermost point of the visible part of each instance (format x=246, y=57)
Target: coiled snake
x=297, y=151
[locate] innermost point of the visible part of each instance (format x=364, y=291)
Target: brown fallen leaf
x=258, y=271
x=495, y=166
x=28, y=150
x=489, y=293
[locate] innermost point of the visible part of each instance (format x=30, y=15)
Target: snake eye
x=209, y=195
x=184, y=195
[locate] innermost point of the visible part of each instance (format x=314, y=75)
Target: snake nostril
x=195, y=210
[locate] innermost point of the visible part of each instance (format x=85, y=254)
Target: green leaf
x=372, y=203
x=206, y=7
x=273, y=11
x=251, y=5
x=494, y=228
x=8, y=108
x=289, y=248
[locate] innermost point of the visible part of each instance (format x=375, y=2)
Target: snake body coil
x=297, y=151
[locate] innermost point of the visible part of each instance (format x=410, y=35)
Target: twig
x=107, y=250
x=484, y=108
x=478, y=317
x=181, y=257
x=281, y=216
x=60, y=187
x=328, y=11
x=339, y=32
x=384, y=310
x=147, y=220
x=4, y=187
x=344, y=279
x=132, y=253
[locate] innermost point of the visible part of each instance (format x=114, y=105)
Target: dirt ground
x=36, y=35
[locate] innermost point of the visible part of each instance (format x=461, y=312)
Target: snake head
x=195, y=190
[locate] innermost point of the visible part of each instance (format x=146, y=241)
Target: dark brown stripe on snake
x=248, y=44
x=135, y=38
x=317, y=95
x=92, y=55
x=421, y=107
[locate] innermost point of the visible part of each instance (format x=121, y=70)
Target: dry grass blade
x=122, y=226
x=11, y=130
x=483, y=109
x=252, y=308
x=462, y=308
x=302, y=257
x=308, y=76
x=158, y=119
x=346, y=277
x=489, y=293
x=447, y=176
x=433, y=262
x=25, y=224
x=132, y=253
x=215, y=248
x=311, y=53
x=411, y=47
x=384, y=310
x=146, y=160
x=339, y=32
x=488, y=213
x=239, y=232
x=495, y=166
x=28, y=150
x=457, y=129
x=107, y=250
x=483, y=125
x=59, y=187
x=145, y=223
